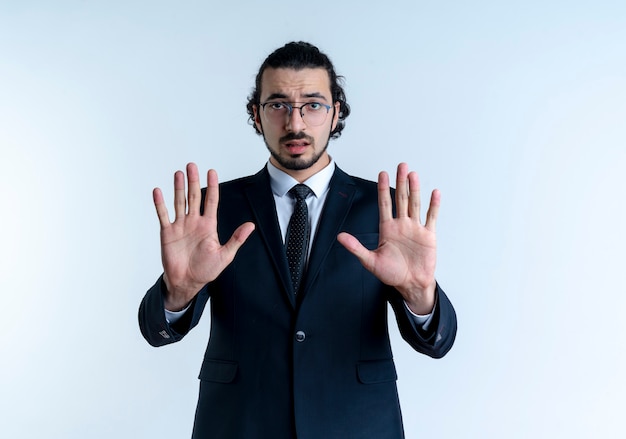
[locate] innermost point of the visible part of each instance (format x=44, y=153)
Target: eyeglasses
x=312, y=113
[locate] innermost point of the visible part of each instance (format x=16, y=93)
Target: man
x=299, y=346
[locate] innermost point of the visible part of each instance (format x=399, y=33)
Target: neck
x=301, y=175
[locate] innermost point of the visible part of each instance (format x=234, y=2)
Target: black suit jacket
x=315, y=366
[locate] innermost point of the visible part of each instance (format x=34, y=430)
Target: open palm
x=191, y=252
x=407, y=250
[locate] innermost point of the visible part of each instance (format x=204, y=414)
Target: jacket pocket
x=373, y=372
x=218, y=371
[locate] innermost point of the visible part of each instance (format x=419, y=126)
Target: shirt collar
x=281, y=182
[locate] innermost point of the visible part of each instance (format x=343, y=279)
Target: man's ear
x=337, y=106
x=257, y=118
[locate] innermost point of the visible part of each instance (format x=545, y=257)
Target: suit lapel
x=337, y=205
x=261, y=200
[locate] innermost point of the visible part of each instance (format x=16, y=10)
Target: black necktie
x=298, y=234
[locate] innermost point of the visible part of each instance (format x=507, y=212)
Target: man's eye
x=314, y=106
x=278, y=106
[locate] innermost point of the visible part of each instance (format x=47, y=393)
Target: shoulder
x=235, y=192
x=261, y=177
x=342, y=177
x=238, y=185
x=361, y=187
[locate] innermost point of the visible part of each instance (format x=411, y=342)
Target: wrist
x=421, y=301
x=174, y=305
x=176, y=298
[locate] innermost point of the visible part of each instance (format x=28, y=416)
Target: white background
x=515, y=110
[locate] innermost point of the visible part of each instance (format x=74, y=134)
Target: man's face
x=296, y=147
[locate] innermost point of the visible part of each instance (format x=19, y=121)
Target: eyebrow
x=306, y=95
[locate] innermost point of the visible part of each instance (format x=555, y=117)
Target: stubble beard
x=296, y=163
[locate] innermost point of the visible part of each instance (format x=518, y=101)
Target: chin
x=297, y=163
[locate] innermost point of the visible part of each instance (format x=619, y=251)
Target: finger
x=384, y=197
x=365, y=256
x=402, y=191
x=433, y=210
x=212, y=195
x=193, y=188
x=180, y=201
x=161, y=209
x=414, y=197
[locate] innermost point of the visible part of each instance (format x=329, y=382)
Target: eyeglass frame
x=291, y=107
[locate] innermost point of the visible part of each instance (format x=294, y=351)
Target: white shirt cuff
x=172, y=317
x=422, y=320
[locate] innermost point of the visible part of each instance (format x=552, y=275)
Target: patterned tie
x=298, y=234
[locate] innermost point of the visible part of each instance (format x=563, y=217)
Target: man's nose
x=295, y=122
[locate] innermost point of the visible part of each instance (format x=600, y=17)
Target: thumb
x=353, y=245
x=240, y=235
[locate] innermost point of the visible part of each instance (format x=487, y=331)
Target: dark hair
x=301, y=55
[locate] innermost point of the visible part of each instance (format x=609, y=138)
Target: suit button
x=300, y=336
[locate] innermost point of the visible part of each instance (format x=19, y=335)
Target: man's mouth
x=296, y=146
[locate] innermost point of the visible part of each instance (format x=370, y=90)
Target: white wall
x=515, y=110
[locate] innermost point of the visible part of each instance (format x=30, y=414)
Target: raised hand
x=191, y=253
x=407, y=250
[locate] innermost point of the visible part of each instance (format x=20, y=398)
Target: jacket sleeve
x=439, y=338
x=152, y=323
